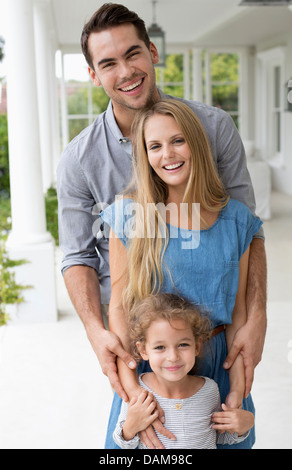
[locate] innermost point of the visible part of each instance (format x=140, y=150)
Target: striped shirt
x=189, y=419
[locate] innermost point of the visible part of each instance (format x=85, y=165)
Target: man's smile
x=132, y=86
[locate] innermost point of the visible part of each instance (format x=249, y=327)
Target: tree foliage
x=224, y=78
x=2, y=42
x=4, y=158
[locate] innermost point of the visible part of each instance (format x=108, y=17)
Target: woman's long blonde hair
x=145, y=254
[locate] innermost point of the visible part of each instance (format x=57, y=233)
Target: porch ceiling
x=191, y=22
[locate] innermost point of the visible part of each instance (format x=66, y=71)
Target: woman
x=202, y=257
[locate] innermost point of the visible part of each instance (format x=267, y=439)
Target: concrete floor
x=53, y=394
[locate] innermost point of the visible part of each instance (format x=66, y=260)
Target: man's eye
x=133, y=54
x=109, y=64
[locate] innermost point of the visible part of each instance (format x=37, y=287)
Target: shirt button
x=178, y=406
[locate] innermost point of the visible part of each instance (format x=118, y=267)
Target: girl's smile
x=171, y=350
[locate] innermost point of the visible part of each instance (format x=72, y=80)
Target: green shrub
x=4, y=158
x=51, y=202
x=10, y=291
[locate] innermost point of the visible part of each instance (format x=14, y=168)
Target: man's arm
x=232, y=167
x=83, y=287
x=249, y=340
x=81, y=263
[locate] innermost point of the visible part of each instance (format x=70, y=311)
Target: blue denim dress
x=204, y=267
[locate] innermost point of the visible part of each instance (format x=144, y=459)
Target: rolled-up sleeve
x=76, y=215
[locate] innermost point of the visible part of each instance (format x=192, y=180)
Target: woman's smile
x=168, y=152
x=173, y=166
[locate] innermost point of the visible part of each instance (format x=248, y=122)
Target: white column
x=44, y=76
x=65, y=128
x=29, y=238
x=197, y=75
x=55, y=119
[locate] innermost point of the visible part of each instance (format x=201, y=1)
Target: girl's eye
x=159, y=348
x=183, y=345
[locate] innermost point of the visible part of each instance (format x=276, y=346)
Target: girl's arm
x=236, y=372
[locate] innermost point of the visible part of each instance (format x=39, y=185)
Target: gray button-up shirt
x=96, y=166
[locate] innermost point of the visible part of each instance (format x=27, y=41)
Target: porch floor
x=54, y=395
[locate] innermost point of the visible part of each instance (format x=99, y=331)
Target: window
x=270, y=105
x=277, y=111
x=170, y=79
x=221, y=85
x=83, y=101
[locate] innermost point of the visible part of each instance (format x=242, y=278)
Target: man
x=97, y=165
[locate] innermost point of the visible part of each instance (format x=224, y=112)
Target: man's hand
x=107, y=347
x=248, y=341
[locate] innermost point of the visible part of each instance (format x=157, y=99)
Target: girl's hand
x=147, y=435
x=233, y=420
x=141, y=413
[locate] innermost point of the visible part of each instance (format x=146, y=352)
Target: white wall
x=282, y=177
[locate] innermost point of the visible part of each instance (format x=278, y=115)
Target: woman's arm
x=118, y=324
x=117, y=317
x=237, y=373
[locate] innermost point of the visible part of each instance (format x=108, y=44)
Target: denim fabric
x=97, y=165
x=207, y=275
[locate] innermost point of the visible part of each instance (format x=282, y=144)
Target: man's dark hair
x=109, y=16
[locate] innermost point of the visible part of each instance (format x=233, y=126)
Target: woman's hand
x=149, y=437
x=248, y=341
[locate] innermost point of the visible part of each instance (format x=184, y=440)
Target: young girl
x=167, y=331
x=204, y=259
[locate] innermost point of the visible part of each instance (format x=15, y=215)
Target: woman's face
x=168, y=152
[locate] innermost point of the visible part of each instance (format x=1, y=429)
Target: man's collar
x=112, y=123
x=111, y=120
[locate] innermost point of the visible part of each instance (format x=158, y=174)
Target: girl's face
x=168, y=153
x=170, y=348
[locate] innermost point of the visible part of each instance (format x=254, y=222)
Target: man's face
x=123, y=66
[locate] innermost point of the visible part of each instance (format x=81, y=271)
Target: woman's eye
x=154, y=147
